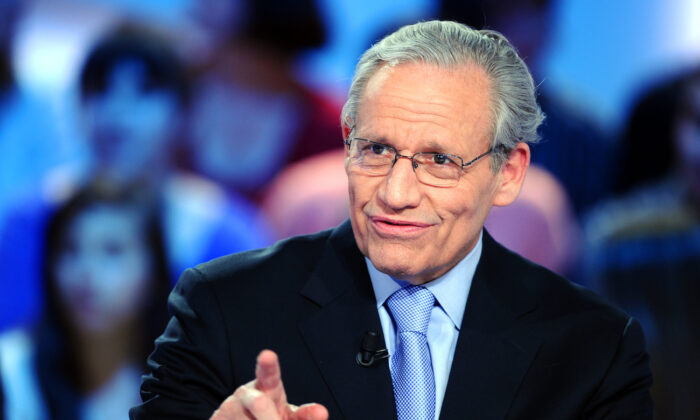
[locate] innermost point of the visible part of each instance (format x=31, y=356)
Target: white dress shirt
x=450, y=291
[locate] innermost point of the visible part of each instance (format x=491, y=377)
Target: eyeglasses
x=431, y=168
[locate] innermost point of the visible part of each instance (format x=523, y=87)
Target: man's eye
x=378, y=149
x=441, y=159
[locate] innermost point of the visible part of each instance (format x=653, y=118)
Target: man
x=436, y=129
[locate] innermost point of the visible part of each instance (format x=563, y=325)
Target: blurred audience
x=572, y=148
x=105, y=274
x=643, y=248
x=134, y=99
x=250, y=114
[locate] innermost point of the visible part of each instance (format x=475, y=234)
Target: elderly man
x=410, y=310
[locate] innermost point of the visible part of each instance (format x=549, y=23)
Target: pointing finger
x=267, y=371
x=269, y=378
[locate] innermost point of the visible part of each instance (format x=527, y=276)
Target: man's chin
x=400, y=268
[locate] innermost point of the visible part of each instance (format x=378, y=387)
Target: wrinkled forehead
x=456, y=100
x=463, y=81
x=466, y=71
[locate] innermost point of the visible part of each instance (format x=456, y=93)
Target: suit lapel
x=494, y=350
x=340, y=286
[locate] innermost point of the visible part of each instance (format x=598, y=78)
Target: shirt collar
x=450, y=290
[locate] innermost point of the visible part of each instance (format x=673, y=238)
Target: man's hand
x=264, y=398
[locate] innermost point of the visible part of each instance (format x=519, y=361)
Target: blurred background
x=140, y=138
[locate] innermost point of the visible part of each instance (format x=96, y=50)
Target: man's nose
x=401, y=188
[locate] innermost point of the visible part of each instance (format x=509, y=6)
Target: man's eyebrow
x=425, y=147
x=434, y=146
x=376, y=139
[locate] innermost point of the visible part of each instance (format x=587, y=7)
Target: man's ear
x=512, y=175
x=346, y=132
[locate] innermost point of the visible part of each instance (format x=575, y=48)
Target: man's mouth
x=392, y=226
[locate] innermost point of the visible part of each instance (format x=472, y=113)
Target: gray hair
x=514, y=109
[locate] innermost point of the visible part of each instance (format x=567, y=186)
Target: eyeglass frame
x=348, y=141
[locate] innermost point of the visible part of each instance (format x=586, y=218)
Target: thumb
x=310, y=411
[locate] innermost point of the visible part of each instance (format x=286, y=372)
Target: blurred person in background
x=133, y=106
x=653, y=116
x=308, y=196
x=540, y=224
x=643, y=248
x=106, y=281
x=572, y=148
x=250, y=115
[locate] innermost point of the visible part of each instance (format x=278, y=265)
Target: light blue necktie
x=411, y=369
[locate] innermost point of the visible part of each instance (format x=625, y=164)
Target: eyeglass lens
x=431, y=168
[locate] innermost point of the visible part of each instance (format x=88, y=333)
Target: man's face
x=409, y=230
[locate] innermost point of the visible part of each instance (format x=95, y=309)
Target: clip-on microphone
x=369, y=352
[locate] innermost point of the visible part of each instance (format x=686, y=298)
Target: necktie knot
x=411, y=307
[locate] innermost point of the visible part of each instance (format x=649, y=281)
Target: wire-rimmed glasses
x=431, y=168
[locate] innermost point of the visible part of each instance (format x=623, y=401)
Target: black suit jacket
x=531, y=345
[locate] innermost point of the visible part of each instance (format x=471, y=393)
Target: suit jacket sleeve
x=624, y=391
x=190, y=368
